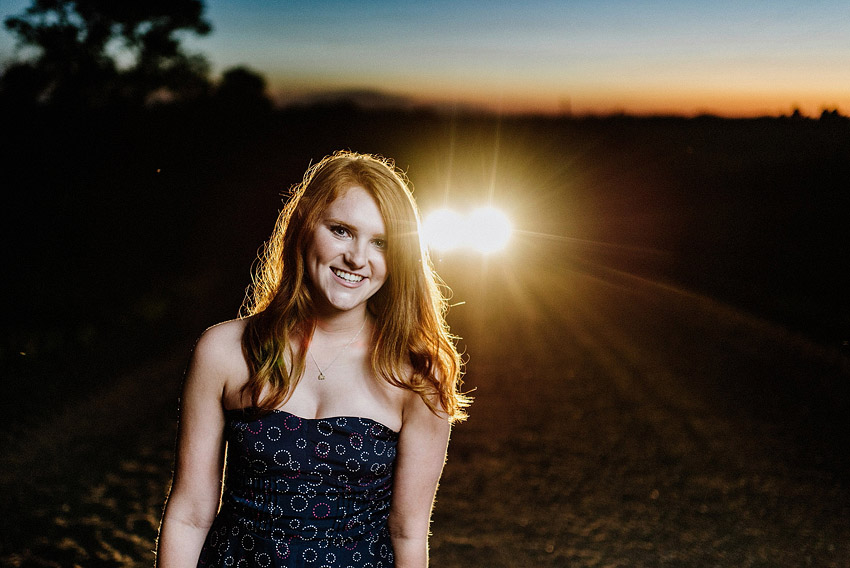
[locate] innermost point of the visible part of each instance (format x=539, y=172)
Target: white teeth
x=347, y=276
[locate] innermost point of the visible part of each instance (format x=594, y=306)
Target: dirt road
x=617, y=422
x=620, y=422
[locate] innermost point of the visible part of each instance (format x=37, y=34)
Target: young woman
x=333, y=396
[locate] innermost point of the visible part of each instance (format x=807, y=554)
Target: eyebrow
x=335, y=221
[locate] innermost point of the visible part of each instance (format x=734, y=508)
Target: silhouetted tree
x=97, y=51
x=831, y=115
x=22, y=85
x=243, y=89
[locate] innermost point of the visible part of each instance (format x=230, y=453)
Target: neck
x=342, y=323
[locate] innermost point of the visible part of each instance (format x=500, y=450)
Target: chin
x=346, y=306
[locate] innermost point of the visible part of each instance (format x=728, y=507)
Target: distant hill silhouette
x=365, y=99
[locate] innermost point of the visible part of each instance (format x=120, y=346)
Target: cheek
x=384, y=267
x=321, y=249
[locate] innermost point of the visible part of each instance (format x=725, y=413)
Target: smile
x=347, y=276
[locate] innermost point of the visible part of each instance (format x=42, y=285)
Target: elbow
x=191, y=514
x=398, y=527
x=190, y=519
x=404, y=534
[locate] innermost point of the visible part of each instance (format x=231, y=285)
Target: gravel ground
x=617, y=422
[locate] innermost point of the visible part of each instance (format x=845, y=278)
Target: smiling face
x=346, y=259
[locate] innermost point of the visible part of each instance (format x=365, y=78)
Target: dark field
x=660, y=361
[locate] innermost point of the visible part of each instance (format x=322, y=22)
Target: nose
x=355, y=255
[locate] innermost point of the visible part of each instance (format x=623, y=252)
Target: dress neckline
x=287, y=413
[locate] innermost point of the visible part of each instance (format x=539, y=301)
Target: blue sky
x=727, y=57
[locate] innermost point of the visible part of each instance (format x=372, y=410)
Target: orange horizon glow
x=731, y=102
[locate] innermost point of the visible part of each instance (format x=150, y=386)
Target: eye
x=380, y=243
x=339, y=230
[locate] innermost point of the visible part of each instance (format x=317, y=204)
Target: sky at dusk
x=727, y=57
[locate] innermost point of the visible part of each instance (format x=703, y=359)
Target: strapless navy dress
x=304, y=492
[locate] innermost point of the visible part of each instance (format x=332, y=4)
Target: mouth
x=347, y=276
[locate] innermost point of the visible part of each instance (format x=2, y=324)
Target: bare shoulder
x=222, y=335
x=416, y=411
x=218, y=351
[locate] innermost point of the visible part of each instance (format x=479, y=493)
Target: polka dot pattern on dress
x=304, y=492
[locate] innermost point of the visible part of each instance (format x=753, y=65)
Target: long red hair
x=413, y=347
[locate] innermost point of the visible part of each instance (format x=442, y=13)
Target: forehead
x=356, y=206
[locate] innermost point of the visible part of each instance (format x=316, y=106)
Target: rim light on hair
x=413, y=346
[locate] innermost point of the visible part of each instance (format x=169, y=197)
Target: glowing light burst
x=485, y=230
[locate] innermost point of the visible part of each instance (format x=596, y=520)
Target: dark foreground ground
x=617, y=422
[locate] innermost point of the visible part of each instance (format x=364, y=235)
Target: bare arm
x=421, y=454
x=196, y=488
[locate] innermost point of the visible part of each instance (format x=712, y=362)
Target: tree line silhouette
x=99, y=53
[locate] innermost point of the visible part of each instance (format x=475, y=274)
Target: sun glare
x=485, y=230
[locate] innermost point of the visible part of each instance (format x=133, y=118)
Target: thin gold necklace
x=321, y=376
